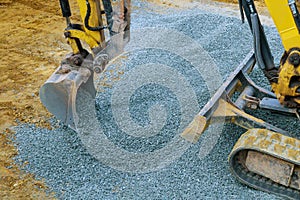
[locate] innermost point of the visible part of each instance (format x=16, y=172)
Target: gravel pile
x=156, y=164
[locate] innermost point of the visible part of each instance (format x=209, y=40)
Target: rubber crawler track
x=264, y=141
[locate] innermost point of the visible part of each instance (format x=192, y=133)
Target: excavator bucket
x=76, y=72
x=58, y=94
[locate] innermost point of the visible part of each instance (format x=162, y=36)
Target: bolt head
x=294, y=59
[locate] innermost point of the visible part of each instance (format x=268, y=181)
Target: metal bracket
x=220, y=106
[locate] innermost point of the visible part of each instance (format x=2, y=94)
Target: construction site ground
x=31, y=47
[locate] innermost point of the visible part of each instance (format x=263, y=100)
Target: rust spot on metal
x=262, y=133
x=293, y=153
x=63, y=71
x=290, y=141
x=278, y=148
x=276, y=137
x=250, y=140
x=265, y=144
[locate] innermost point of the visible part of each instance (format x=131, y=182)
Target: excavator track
x=268, y=161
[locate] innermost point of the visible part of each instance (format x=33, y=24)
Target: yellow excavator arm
x=76, y=71
x=286, y=18
x=90, y=31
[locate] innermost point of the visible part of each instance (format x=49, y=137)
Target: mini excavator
x=263, y=157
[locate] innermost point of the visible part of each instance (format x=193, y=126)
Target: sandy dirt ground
x=31, y=47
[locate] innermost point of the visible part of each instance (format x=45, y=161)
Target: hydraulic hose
x=257, y=41
x=65, y=8
x=108, y=12
x=87, y=17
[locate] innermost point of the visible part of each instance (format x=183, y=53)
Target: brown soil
x=31, y=47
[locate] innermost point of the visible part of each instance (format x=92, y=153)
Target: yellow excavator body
x=282, y=15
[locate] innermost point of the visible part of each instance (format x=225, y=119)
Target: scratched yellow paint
x=290, y=141
x=278, y=148
x=264, y=144
x=276, y=137
x=294, y=154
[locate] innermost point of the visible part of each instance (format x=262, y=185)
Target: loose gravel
x=69, y=166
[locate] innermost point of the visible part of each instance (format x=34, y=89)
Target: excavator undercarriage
x=264, y=157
